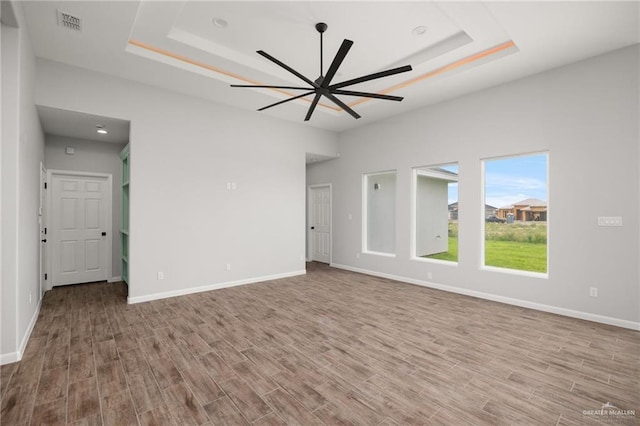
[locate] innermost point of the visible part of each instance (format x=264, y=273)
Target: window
x=380, y=213
x=436, y=212
x=516, y=212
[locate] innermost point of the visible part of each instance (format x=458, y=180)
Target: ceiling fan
x=322, y=85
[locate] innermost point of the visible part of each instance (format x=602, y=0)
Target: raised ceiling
x=465, y=46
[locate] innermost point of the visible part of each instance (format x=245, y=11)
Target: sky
x=508, y=180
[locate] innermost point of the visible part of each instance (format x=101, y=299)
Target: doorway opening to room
x=83, y=211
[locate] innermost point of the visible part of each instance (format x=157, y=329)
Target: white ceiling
x=79, y=125
x=467, y=46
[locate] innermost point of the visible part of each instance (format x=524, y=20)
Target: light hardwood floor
x=331, y=347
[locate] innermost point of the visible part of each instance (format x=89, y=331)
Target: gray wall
x=21, y=153
x=585, y=115
x=96, y=157
x=432, y=215
x=381, y=219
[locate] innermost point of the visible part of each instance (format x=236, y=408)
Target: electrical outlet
x=228, y=267
x=429, y=276
x=593, y=291
x=29, y=297
x=160, y=276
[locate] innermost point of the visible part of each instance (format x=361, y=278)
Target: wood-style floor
x=331, y=347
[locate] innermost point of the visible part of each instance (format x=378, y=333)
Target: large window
x=516, y=212
x=380, y=213
x=436, y=212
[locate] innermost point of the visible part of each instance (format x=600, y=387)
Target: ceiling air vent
x=69, y=21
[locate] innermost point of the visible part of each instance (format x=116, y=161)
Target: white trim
x=379, y=253
x=438, y=261
x=42, y=215
x=507, y=300
x=9, y=358
x=309, y=217
x=17, y=356
x=109, y=218
x=182, y=292
x=541, y=275
x=114, y=279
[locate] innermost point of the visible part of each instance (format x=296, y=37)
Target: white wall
x=22, y=152
x=95, y=157
x=184, y=151
x=585, y=115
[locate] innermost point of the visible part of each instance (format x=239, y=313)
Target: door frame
x=43, y=210
x=310, y=189
x=109, y=219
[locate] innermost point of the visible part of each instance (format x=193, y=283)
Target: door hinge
x=45, y=185
x=45, y=276
x=45, y=231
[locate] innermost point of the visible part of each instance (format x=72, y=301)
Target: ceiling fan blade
x=368, y=95
x=337, y=61
x=255, y=86
x=342, y=105
x=293, y=98
x=373, y=76
x=287, y=67
x=313, y=106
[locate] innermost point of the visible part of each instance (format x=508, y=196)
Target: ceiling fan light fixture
x=220, y=23
x=322, y=85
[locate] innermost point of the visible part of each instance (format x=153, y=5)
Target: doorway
x=319, y=223
x=79, y=227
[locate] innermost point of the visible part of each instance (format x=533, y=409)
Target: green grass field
x=520, y=246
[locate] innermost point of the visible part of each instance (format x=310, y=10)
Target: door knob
x=104, y=234
x=313, y=227
x=44, y=241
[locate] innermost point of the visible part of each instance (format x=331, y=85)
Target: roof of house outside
x=486, y=206
x=529, y=202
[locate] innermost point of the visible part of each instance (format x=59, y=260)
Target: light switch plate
x=609, y=220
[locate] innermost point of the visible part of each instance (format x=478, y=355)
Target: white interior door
x=79, y=227
x=320, y=223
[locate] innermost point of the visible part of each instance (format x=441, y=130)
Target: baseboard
x=8, y=358
x=182, y=292
x=114, y=279
x=17, y=356
x=495, y=298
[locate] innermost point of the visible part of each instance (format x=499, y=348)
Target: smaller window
x=436, y=212
x=379, y=230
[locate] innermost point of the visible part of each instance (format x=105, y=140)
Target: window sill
x=379, y=253
x=436, y=261
x=542, y=275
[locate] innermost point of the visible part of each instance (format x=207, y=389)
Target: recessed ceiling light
x=419, y=30
x=220, y=23
x=101, y=129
